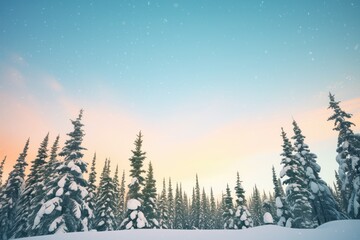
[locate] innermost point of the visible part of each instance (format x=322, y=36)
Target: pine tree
x=213, y=211
x=192, y=210
x=297, y=195
x=134, y=216
x=122, y=196
x=117, y=213
x=163, y=208
x=256, y=207
x=324, y=206
x=10, y=194
x=197, y=205
x=171, y=206
x=91, y=197
x=186, y=211
x=340, y=194
x=51, y=166
x=243, y=217
x=34, y=185
x=228, y=214
x=1, y=171
x=348, y=158
x=178, y=208
x=150, y=204
x=64, y=208
x=105, y=202
x=204, y=211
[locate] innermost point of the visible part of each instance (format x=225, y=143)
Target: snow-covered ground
x=347, y=230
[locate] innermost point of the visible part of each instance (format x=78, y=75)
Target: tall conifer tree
x=11, y=193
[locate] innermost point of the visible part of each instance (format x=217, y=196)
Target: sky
x=209, y=83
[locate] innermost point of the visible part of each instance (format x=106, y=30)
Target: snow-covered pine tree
x=122, y=196
x=91, y=197
x=204, y=211
x=192, y=210
x=117, y=213
x=282, y=207
x=2, y=171
x=34, y=186
x=297, y=195
x=348, y=158
x=64, y=208
x=324, y=206
x=197, y=205
x=256, y=207
x=162, y=208
x=213, y=211
x=171, y=206
x=179, y=215
x=50, y=176
x=186, y=211
x=341, y=197
x=10, y=194
x=135, y=217
x=150, y=201
x=243, y=217
x=105, y=206
x=277, y=194
x=228, y=214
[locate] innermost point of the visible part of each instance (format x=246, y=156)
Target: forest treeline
x=55, y=197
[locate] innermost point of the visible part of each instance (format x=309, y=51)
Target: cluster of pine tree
x=56, y=198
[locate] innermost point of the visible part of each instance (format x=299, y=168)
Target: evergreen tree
x=277, y=188
x=297, y=195
x=324, y=206
x=192, y=210
x=65, y=208
x=256, y=207
x=348, y=158
x=135, y=217
x=197, y=205
x=117, y=213
x=51, y=166
x=105, y=206
x=34, y=185
x=171, y=206
x=179, y=215
x=10, y=194
x=150, y=205
x=228, y=214
x=1, y=171
x=91, y=197
x=204, y=211
x=243, y=217
x=163, y=208
x=186, y=222
x=122, y=196
x=340, y=194
x=213, y=211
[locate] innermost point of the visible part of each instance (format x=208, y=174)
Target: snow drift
x=346, y=229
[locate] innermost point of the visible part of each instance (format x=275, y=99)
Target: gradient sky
x=209, y=83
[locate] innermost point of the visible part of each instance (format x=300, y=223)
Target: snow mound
x=345, y=229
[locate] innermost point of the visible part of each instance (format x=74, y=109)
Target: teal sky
x=181, y=70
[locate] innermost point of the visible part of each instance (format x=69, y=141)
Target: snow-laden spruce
x=324, y=206
x=162, y=208
x=255, y=207
x=105, y=203
x=242, y=217
x=228, y=214
x=150, y=201
x=65, y=208
x=11, y=193
x=90, y=198
x=34, y=186
x=204, y=211
x=297, y=195
x=135, y=217
x=348, y=158
x=170, y=206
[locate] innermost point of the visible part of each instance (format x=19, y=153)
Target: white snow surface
x=345, y=229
